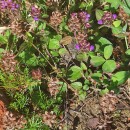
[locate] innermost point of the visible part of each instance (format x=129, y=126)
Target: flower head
x=35, y=13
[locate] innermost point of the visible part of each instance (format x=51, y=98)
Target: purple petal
x=91, y=48
x=114, y=16
x=100, y=22
x=36, y=18
x=88, y=15
x=77, y=46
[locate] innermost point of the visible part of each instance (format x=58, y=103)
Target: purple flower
x=114, y=16
x=77, y=47
x=36, y=18
x=84, y=16
x=91, y=48
x=100, y=22
x=35, y=13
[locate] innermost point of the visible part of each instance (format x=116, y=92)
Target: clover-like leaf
x=109, y=66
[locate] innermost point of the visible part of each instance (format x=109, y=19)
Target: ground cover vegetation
x=64, y=64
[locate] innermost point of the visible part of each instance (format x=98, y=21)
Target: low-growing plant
x=51, y=50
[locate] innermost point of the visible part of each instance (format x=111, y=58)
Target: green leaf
x=127, y=3
x=117, y=23
x=54, y=44
x=104, y=41
x=116, y=30
x=97, y=61
x=83, y=66
x=82, y=57
x=82, y=95
x=54, y=53
x=99, y=14
x=1, y=50
x=104, y=91
x=75, y=73
x=126, y=9
x=3, y=40
x=114, y=3
x=96, y=75
x=127, y=52
x=63, y=51
x=120, y=77
x=86, y=87
x=76, y=85
x=109, y=66
x=108, y=51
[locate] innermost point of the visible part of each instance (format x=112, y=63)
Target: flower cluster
x=8, y=4
x=36, y=74
x=8, y=62
x=53, y=86
x=49, y=118
x=56, y=19
x=107, y=18
x=85, y=17
x=35, y=13
x=78, y=24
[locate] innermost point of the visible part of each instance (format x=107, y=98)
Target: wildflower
x=91, y=48
x=8, y=62
x=77, y=47
x=107, y=18
x=56, y=19
x=36, y=74
x=84, y=16
x=35, y=13
x=49, y=118
x=84, y=45
x=114, y=16
x=8, y=4
x=100, y=22
x=53, y=86
x=74, y=23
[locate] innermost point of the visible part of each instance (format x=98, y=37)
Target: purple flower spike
x=77, y=47
x=100, y=22
x=114, y=16
x=91, y=48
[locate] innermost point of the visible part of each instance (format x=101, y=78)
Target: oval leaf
x=109, y=66
x=117, y=23
x=99, y=14
x=97, y=61
x=108, y=51
x=54, y=44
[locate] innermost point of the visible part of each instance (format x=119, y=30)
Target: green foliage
x=75, y=73
x=97, y=61
x=95, y=57
x=109, y=66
